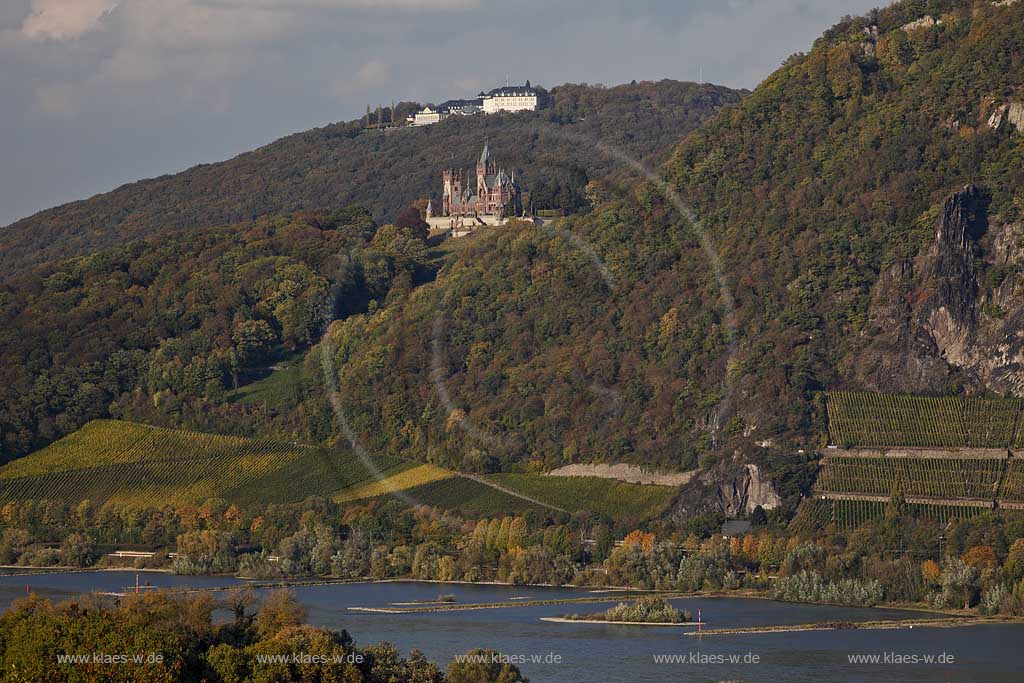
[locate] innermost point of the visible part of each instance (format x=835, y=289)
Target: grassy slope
x=111, y=461
x=469, y=497
x=140, y=465
x=613, y=499
x=278, y=388
x=396, y=480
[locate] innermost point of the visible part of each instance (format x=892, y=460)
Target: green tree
x=253, y=339
x=483, y=666
x=78, y=550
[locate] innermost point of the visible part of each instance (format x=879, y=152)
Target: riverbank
x=463, y=607
x=623, y=594
x=567, y=620
x=597, y=595
x=602, y=652
x=881, y=625
x=25, y=570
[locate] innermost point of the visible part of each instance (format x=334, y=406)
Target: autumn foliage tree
x=931, y=572
x=639, y=539
x=981, y=557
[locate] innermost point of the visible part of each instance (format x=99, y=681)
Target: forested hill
x=863, y=216
x=171, y=324
x=834, y=197
x=340, y=164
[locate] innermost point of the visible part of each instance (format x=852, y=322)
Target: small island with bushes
x=650, y=610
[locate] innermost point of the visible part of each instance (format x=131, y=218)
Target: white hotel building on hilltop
x=509, y=98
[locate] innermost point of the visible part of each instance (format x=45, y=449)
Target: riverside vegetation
x=179, y=639
x=644, y=610
x=975, y=563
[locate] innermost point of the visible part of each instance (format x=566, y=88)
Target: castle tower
x=486, y=170
x=452, y=179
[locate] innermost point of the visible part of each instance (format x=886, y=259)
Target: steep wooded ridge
x=846, y=167
x=340, y=164
x=874, y=229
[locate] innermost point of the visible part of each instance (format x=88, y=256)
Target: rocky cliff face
x=953, y=313
x=732, y=486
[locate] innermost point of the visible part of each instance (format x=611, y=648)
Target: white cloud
x=65, y=19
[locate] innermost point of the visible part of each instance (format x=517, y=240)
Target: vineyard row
x=988, y=479
x=846, y=514
x=869, y=420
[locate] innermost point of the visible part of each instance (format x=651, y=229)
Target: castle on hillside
x=495, y=197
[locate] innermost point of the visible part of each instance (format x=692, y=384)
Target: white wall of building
x=426, y=117
x=497, y=103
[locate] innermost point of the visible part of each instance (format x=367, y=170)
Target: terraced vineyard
x=868, y=420
x=1012, y=489
x=613, y=499
x=848, y=514
x=939, y=477
x=949, y=457
x=139, y=465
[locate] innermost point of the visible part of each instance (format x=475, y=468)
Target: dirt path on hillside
x=510, y=492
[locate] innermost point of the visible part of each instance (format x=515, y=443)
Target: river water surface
x=587, y=653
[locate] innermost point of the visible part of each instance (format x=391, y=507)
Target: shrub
x=483, y=666
x=810, y=587
x=807, y=557
x=992, y=599
x=958, y=583
x=648, y=610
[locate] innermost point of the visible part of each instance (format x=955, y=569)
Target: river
x=585, y=653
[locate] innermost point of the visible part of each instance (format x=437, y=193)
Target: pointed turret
x=485, y=156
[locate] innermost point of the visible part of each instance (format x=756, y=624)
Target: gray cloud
x=94, y=93
x=64, y=19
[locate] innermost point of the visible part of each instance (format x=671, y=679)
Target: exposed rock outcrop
x=923, y=22
x=1011, y=112
x=954, y=310
x=733, y=487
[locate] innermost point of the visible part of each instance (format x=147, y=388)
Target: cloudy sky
x=95, y=93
